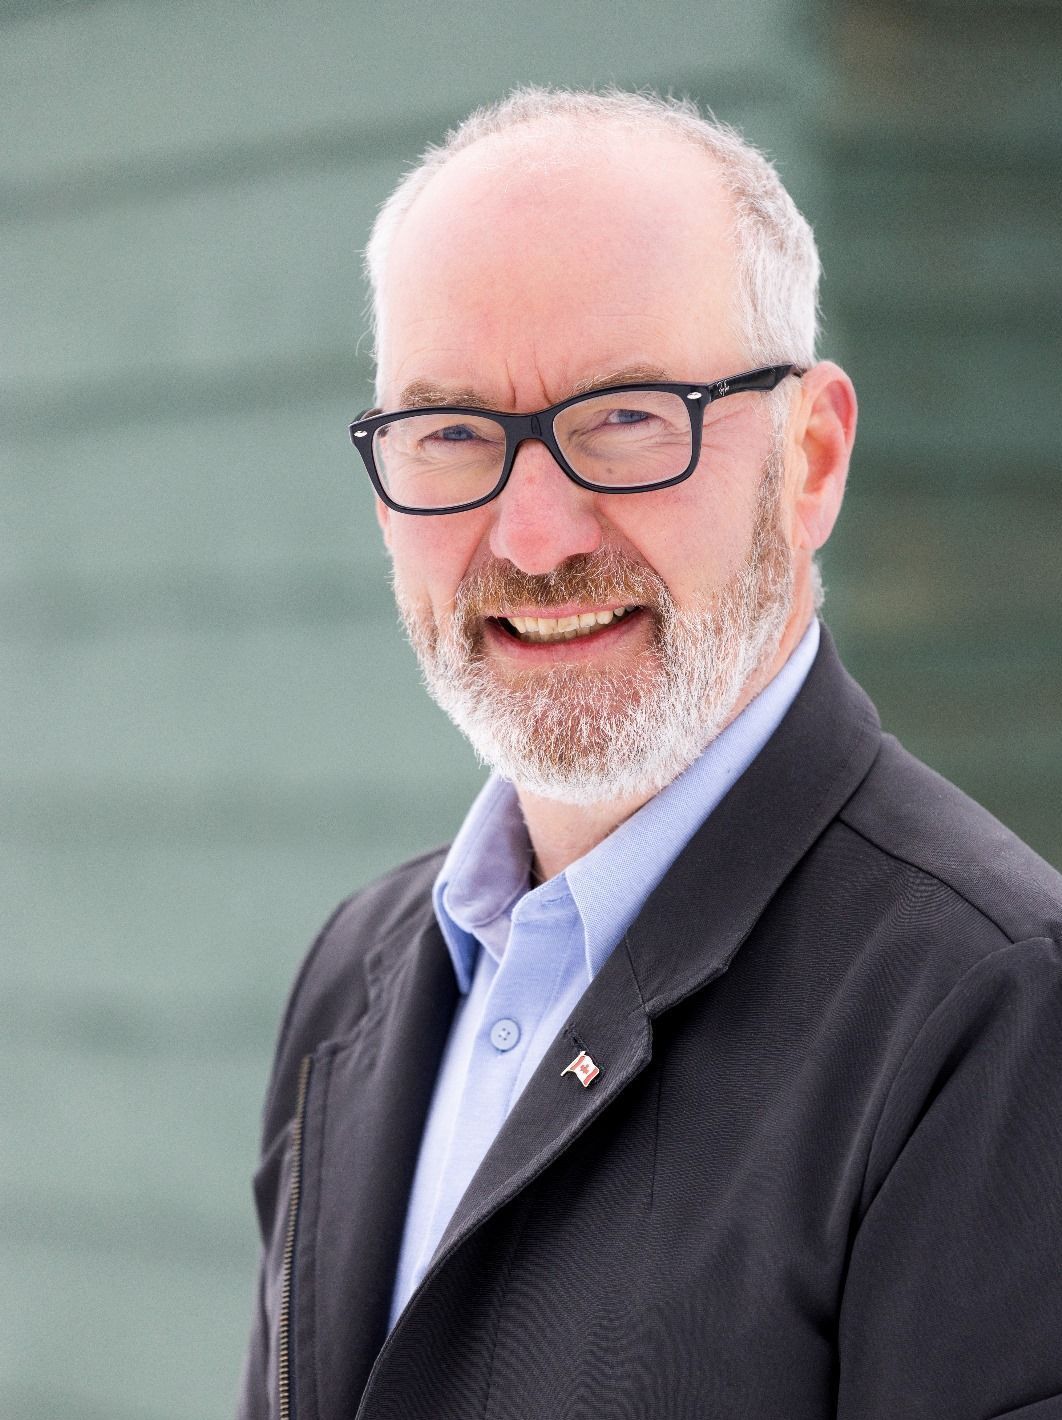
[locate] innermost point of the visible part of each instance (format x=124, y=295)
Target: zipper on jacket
x=284, y=1321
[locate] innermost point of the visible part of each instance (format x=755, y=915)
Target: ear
x=822, y=435
x=383, y=517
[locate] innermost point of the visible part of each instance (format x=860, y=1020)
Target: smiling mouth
x=543, y=629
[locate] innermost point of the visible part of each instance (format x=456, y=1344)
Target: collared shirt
x=524, y=956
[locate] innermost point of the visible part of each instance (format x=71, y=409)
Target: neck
x=560, y=833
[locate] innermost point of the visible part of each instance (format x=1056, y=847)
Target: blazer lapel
x=610, y=1024
x=368, y=1096
x=722, y=881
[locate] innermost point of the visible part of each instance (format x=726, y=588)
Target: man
x=716, y=1069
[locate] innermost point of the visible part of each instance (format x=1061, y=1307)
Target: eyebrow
x=425, y=393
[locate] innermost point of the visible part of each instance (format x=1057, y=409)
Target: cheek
x=695, y=535
x=430, y=556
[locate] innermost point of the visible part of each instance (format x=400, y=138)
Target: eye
x=454, y=434
x=628, y=416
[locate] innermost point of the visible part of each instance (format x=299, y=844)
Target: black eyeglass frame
x=539, y=425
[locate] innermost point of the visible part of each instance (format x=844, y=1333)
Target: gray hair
x=778, y=263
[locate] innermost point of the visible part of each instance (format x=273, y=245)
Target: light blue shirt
x=524, y=956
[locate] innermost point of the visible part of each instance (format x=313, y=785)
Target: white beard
x=584, y=735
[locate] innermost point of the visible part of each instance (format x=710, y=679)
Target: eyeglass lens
x=618, y=440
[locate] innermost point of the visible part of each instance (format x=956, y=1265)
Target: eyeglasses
x=626, y=439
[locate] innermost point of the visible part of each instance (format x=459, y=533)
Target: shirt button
x=504, y=1034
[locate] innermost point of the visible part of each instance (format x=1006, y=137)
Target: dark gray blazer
x=819, y=1174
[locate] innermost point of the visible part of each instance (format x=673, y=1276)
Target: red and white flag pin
x=583, y=1068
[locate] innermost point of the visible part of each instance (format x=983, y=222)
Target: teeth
x=564, y=628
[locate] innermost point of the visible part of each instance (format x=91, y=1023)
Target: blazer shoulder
x=915, y=816
x=382, y=911
x=331, y=987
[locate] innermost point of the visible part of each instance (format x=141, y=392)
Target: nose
x=541, y=517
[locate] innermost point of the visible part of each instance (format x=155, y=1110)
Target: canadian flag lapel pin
x=583, y=1068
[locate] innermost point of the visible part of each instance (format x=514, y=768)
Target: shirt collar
x=485, y=873
x=487, y=869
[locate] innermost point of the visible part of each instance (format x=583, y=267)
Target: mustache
x=606, y=575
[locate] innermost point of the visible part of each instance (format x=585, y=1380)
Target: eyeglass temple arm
x=767, y=378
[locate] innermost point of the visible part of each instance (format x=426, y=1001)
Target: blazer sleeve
x=952, y=1302
x=253, y=1399
x=308, y=1018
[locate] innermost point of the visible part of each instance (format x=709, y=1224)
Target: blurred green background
x=210, y=727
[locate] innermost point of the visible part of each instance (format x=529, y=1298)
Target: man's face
x=514, y=286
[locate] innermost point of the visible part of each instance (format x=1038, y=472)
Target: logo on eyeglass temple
x=723, y=387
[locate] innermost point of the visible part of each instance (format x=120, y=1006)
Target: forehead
x=530, y=265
